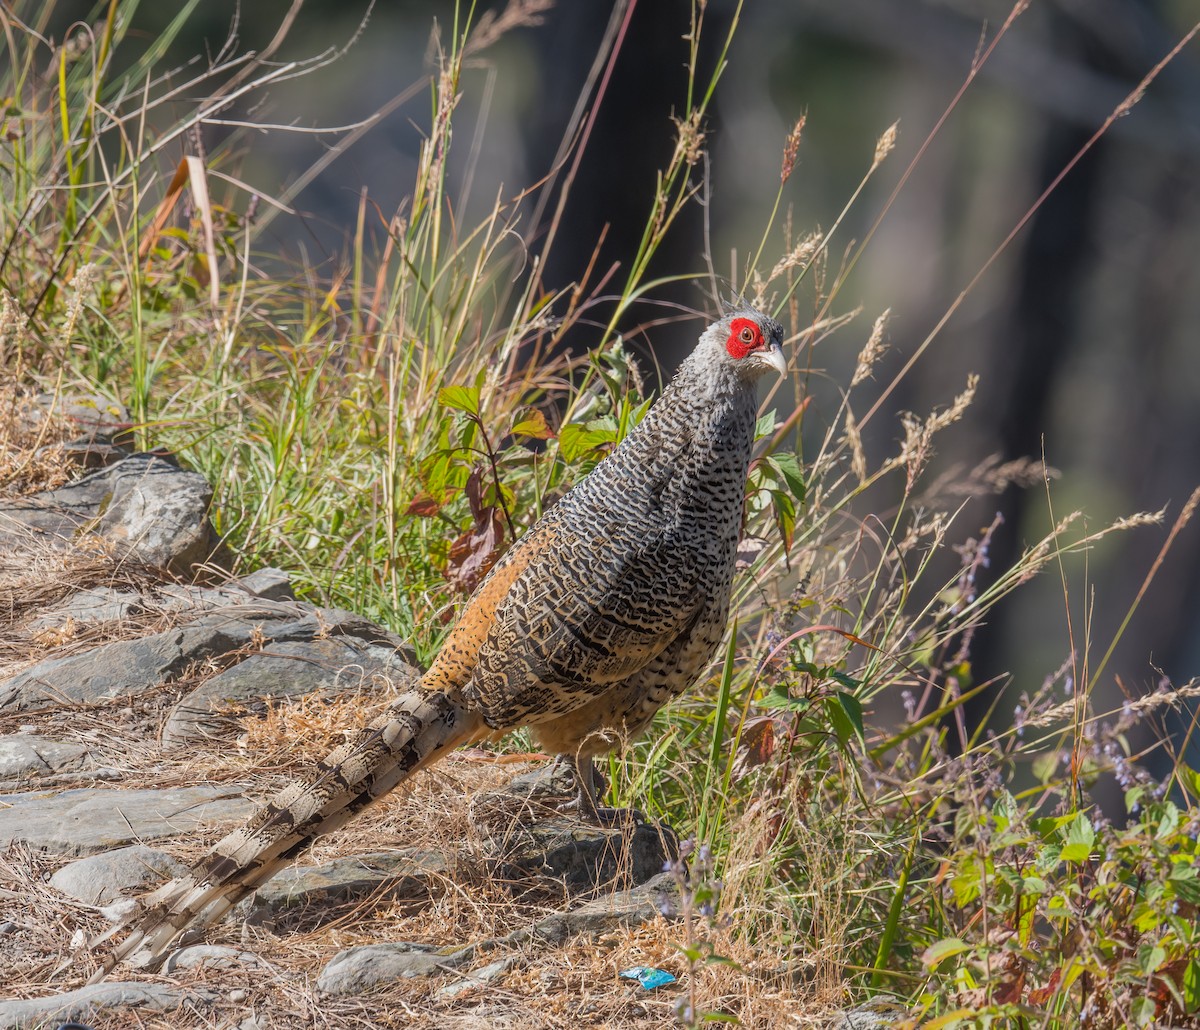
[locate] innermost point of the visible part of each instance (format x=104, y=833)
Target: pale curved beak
x=776, y=359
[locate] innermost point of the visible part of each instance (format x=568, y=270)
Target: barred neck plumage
x=698, y=434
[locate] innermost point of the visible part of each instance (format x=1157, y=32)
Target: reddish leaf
x=474, y=494
x=474, y=553
x=1041, y=996
x=533, y=423
x=1012, y=983
x=756, y=746
x=424, y=505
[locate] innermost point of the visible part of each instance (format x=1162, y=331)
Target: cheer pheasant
x=609, y=606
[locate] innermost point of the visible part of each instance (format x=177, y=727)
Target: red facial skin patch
x=744, y=337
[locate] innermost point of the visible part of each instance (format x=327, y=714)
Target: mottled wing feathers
x=456, y=660
x=586, y=614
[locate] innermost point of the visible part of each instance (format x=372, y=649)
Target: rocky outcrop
x=144, y=507
x=273, y=649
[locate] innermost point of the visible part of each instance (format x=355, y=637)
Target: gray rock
x=874, y=1015
x=94, y=417
x=95, y=604
x=478, y=977
x=529, y=843
x=121, y=668
x=103, y=428
x=88, y=1002
x=410, y=873
x=641, y=904
x=89, y=820
x=159, y=513
x=196, y=600
x=565, y=854
x=25, y=755
x=153, y=512
x=288, y=668
x=268, y=584
x=101, y=879
x=359, y=969
x=89, y=452
x=127, y=667
x=216, y=956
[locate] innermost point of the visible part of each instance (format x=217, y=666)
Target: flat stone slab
x=286, y=668
x=656, y=897
x=530, y=843
x=103, y=878
x=89, y=820
x=215, y=956
x=409, y=873
x=127, y=667
x=478, y=977
x=94, y=604
x=27, y=755
x=358, y=969
x=88, y=1002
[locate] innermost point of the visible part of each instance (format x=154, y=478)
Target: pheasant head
x=736, y=351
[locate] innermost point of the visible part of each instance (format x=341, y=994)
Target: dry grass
x=569, y=985
x=32, y=435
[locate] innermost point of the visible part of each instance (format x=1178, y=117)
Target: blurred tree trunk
x=1033, y=341
x=632, y=140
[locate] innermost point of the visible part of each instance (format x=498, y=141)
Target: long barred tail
x=418, y=729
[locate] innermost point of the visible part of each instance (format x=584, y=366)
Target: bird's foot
x=601, y=815
x=589, y=786
x=614, y=818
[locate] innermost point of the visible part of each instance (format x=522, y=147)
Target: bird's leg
x=589, y=811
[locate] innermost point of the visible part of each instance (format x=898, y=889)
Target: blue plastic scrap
x=648, y=976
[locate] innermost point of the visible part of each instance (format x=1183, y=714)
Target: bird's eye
x=747, y=335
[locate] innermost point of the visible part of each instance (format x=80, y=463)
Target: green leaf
x=576, y=441
x=778, y=700
x=1185, y=883
x=966, y=883
x=946, y=948
x=845, y=714
x=765, y=426
x=461, y=398
x=785, y=517
x=1190, y=779
x=787, y=465
x=1133, y=797
x=1079, y=838
x=1190, y=983
x=1045, y=767
x=1169, y=822
x=1004, y=811
x=1150, y=958
x=1143, y=1011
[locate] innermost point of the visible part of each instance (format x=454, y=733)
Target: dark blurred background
x=1086, y=331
